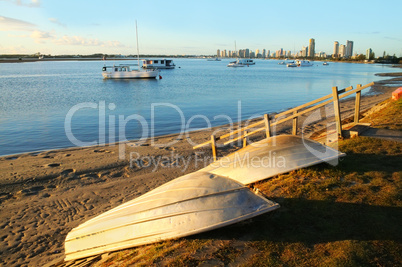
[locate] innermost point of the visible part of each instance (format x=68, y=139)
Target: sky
x=60, y=27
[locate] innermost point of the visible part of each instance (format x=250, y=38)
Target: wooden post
x=245, y=139
x=337, y=111
x=357, y=104
x=294, y=129
x=267, y=126
x=213, y=144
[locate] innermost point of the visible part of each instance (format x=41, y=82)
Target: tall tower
x=311, y=48
x=218, y=53
x=349, y=48
x=368, y=53
x=342, y=51
x=336, y=49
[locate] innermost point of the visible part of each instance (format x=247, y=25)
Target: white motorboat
x=241, y=63
x=291, y=65
x=124, y=71
x=325, y=64
x=158, y=64
x=191, y=204
x=235, y=64
x=214, y=59
x=304, y=63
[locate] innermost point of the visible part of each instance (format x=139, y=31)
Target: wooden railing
x=266, y=123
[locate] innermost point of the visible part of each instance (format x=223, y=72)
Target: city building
x=368, y=53
x=336, y=49
x=349, y=48
x=304, y=51
x=218, y=53
x=342, y=51
x=311, y=48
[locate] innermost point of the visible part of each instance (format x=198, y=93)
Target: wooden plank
x=357, y=104
x=356, y=90
x=344, y=90
x=201, y=145
x=239, y=130
x=294, y=128
x=213, y=142
x=267, y=126
x=302, y=106
x=337, y=111
x=302, y=112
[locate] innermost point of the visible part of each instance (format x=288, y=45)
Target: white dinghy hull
x=272, y=156
x=188, y=205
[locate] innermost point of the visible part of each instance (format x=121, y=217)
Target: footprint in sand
x=53, y=165
x=102, y=151
x=67, y=172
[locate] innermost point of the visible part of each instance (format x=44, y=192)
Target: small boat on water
x=158, y=64
x=304, y=63
x=214, y=59
x=125, y=71
x=191, y=204
x=325, y=64
x=241, y=63
x=291, y=65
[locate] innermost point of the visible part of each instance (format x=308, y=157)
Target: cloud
x=19, y=49
x=10, y=24
x=40, y=36
x=26, y=3
x=393, y=38
x=82, y=41
x=57, y=22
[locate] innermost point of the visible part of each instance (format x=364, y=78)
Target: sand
x=44, y=195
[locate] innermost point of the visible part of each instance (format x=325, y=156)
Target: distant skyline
x=196, y=28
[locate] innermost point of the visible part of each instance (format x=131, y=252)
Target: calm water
x=37, y=99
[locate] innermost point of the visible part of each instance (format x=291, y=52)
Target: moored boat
x=241, y=63
x=125, y=71
x=158, y=64
x=303, y=63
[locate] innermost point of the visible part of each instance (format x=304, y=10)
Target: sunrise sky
x=196, y=27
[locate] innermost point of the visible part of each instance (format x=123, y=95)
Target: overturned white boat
x=188, y=205
x=272, y=156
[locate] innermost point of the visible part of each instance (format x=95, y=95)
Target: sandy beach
x=44, y=195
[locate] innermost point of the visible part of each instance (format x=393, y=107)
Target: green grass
x=344, y=215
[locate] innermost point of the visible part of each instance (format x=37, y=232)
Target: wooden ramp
x=272, y=156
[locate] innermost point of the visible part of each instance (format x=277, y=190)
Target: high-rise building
x=349, y=48
x=218, y=53
x=247, y=53
x=304, y=51
x=336, y=49
x=368, y=53
x=311, y=48
x=264, y=53
x=342, y=51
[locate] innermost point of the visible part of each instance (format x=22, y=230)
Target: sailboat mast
x=138, y=50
